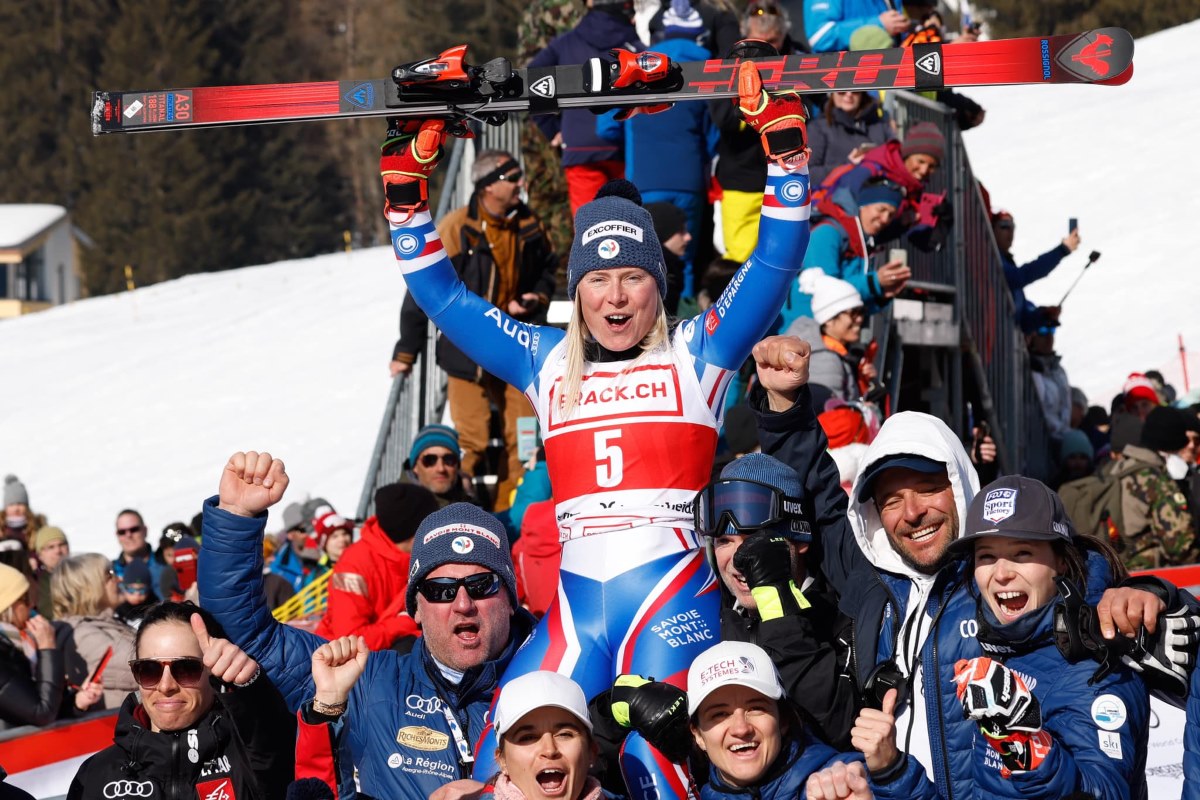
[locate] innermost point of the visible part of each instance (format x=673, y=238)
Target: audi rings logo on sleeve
x=407, y=244
x=425, y=705
x=117, y=789
x=791, y=192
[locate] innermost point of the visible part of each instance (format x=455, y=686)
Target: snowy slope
x=1122, y=160
x=138, y=399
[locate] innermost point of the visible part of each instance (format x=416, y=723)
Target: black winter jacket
x=805, y=649
x=26, y=698
x=243, y=749
x=465, y=239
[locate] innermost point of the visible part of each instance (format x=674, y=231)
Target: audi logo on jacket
x=211, y=759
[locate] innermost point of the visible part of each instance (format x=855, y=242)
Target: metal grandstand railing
x=419, y=398
x=970, y=263
x=967, y=270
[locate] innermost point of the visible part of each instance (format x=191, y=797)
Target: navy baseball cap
x=897, y=461
x=1017, y=508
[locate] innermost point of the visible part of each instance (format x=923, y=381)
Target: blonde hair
x=578, y=337
x=77, y=585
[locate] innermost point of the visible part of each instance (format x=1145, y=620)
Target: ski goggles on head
x=738, y=505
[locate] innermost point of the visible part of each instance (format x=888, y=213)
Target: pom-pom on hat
x=14, y=491
x=1139, y=387
x=830, y=296
x=460, y=533
x=614, y=230
x=924, y=137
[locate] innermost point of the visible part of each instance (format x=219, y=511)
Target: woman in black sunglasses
x=206, y=719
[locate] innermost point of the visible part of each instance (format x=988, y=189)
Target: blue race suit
x=635, y=594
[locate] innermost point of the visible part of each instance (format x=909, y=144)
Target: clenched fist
x=251, y=483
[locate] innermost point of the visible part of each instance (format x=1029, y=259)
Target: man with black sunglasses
x=410, y=723
x=131, y=536
x=434, y=462
x=499, y=247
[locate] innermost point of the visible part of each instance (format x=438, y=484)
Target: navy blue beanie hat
x=460, y=533
x=433, y=436
x=773, y=472
x=614, y=230
x=880, y=191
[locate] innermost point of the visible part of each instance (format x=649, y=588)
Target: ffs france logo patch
x=999, y=504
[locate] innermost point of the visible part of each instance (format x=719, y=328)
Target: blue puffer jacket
x=788, y=776
x=398, y=726
x=1099, y=731
x=877, y=589
x=830, y=23
x=596, y=34
x=1018, y=278
x=671, y=151
x=1191, y=741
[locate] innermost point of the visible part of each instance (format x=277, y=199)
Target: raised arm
x=230, y=573
x=724, y=334
x=500, y=344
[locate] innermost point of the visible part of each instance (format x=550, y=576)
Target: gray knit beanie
x=460, y=533
x=14, y=491
x=614, y=230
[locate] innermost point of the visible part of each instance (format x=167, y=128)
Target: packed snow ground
x=137, y=399
x=1120, y=160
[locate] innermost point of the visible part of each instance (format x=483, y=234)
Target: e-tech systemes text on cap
x=731, y=664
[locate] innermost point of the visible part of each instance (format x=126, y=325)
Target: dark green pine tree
x=1010, y=18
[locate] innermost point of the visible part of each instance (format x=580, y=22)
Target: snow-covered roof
x=20, y=222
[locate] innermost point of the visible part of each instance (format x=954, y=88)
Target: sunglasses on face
x=130, y=531
x=186, y=671
x=444, y=590
x=430, y=459
x=512, y=177
x=133, y=588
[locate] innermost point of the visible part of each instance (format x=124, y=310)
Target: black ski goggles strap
x=738, y=505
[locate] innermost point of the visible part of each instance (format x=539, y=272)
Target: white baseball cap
x=731, y=664
x=536, y=690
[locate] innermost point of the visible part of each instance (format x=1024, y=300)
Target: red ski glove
x=1009, y=716
x=779, y=119
x=411, y=150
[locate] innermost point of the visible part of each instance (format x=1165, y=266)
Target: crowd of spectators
x=851, y=547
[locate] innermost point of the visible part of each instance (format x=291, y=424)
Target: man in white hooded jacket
x=887, y=556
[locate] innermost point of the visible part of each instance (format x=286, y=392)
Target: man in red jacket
x=369, y=582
